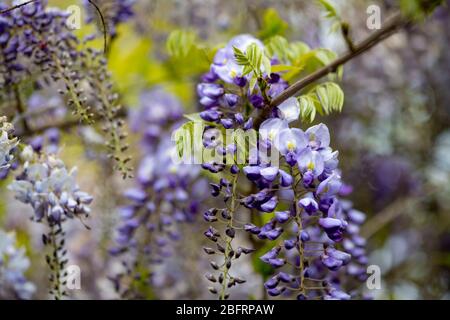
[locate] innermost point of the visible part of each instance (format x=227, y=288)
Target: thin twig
x=390, y=27
x=17, y=7
x=105, y=32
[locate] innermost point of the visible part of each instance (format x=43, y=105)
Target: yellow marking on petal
x=233, y=73
x=311, y=166
x=272, y=134
x=291, y=145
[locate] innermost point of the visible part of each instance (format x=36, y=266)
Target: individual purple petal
x=252, y=172
x=210, y=115
x=290, y=142
x=286, y=179
x=289, y=244
x=210, y=90
x=331, y=263
x=318, y=136
x=329, y=187
x=271, y=283
x=270, y=205
x=356, y=216
x=270, y=128
x=311, y=161
x=340, y=255
x=274, y=234
x=277, y=263
x=231, y=99
x=282, y=216
x=269, y=173
x=309, y=204
x=272, y=254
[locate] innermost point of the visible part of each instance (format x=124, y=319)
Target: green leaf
x=331, y=97
x=272, y=24
x=329, y=9
x=307, y=107
x=251, y=60
x=324, y=99
x=286, y=52
x=180, y=42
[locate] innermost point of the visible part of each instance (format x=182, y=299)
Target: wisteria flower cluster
x=308, y=232
x=36, y=40
x=162, y=199
x=13, y=265
x=297, y=185
x=51, y=190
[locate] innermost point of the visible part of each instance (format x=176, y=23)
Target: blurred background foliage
x=393, y=135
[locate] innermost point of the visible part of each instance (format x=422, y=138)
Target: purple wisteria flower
x=290, y=143
x=313, y=242
x=13, y=266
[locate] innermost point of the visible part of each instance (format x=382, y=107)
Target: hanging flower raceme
x=51, y=190
x=37, y=40
x=166, y=195
x=13, y=265
x=309, y=233
x=294, y=171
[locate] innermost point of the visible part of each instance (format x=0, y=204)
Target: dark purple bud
x=226, y=123
x=309, y=204
x=271, y=283
x=230, y=232
x=277, y=263
x=275, y=292
x=289, y=244
x=257, y=101
x=247, y=250
x=231, y=99
x=208, y=102
x=249, y=124
x=274, y=234
x=272, y=254
x=252, y=172
x=340, y=255
x=285, y=179
x=210, y=115
x=308, y=179
x=215, y=189
x=234, y=169
x=304, y=236
x=331, y=263
x=240, y=81
x=282, y=216
x=209, y=77
x=239, y=118
x=210, y=90
x=251, y=228
x=208, y=250
x=37, y=143
x=270, y=205
x=274, y=78
x=284, y=277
